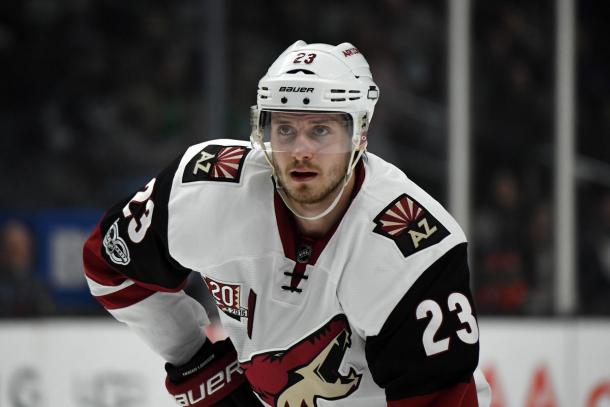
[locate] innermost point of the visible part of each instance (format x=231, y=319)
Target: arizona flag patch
x=216, y=163
x=409, y=225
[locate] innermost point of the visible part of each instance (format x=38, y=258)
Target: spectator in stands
x=22, y=292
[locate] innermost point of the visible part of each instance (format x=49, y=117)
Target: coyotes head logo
x=307, y=371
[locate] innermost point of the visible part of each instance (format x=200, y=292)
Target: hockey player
x=338, y=280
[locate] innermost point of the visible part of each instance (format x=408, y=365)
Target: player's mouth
x=302, y=175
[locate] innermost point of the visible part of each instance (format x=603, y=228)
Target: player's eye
x=320, y=131
x=285, y=130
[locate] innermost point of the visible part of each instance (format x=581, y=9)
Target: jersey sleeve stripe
x=154, y=287
x=460, y=395
x=125, y=297
x=100, y=289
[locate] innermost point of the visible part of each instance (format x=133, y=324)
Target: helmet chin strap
x=355, y=156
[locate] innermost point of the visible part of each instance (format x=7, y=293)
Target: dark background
x=96, y=97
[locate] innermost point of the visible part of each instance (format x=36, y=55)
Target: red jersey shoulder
x=215, y=162
x=409, y=225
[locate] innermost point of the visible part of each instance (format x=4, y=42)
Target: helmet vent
x=263, y=92
x=305, y=71
x=354, y=94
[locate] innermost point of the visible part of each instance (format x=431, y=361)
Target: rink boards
x=99, y=363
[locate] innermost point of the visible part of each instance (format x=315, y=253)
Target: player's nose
x=303, y=147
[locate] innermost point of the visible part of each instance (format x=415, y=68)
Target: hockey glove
x=212, y=377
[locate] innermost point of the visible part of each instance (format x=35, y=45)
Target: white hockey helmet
x=317, y=77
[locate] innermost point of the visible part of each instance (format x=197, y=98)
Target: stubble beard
x=305, y=194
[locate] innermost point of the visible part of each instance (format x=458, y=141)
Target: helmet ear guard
x=360, y=134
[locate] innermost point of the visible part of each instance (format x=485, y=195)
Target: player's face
x=311, y=153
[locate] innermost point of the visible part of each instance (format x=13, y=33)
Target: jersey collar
x=288, y=230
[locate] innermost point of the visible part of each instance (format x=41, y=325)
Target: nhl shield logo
x=409, y=225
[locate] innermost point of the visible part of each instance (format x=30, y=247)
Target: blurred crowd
x=513, y=105
x=23, y=293
x=101, y=94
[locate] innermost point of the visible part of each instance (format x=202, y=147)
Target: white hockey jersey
x=377, y=312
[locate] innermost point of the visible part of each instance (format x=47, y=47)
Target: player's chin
x=302, y=194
